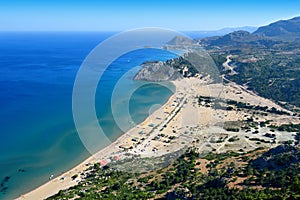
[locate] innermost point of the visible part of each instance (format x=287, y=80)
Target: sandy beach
x=65, y=181
x=180, y=122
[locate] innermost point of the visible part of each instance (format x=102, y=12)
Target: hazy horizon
x=116, y=15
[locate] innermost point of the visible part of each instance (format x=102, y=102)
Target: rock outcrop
x=157, y=71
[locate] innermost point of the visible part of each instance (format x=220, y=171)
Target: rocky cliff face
x=186, y=66
x=157, y=71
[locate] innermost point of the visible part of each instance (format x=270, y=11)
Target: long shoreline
x=65, y=181
x=142, y=137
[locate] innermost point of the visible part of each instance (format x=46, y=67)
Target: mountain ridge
x=290, y=27
x=282, y=30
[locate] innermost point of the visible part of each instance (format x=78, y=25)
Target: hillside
x=283, y=29
x=213, y=176
x=266, y=61
x=234, y=38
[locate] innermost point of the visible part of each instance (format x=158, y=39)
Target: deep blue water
x=37, y=72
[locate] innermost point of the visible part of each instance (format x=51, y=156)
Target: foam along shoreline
x=114, y=150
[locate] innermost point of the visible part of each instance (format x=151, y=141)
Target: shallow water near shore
x=37, y=72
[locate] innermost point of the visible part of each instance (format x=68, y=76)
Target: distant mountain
x=181, y=40
x=238, y=38
x=221, y=32
x=224, y=31
x=283, y=29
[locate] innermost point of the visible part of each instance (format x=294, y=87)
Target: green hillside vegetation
x=260, y=174
x=270, y=79
x=266, y=61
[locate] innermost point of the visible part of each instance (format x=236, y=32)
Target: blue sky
x=89, y=15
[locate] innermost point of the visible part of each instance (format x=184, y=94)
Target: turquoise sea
x=37, y=72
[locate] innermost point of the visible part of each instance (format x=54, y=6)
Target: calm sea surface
x=37, y=72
